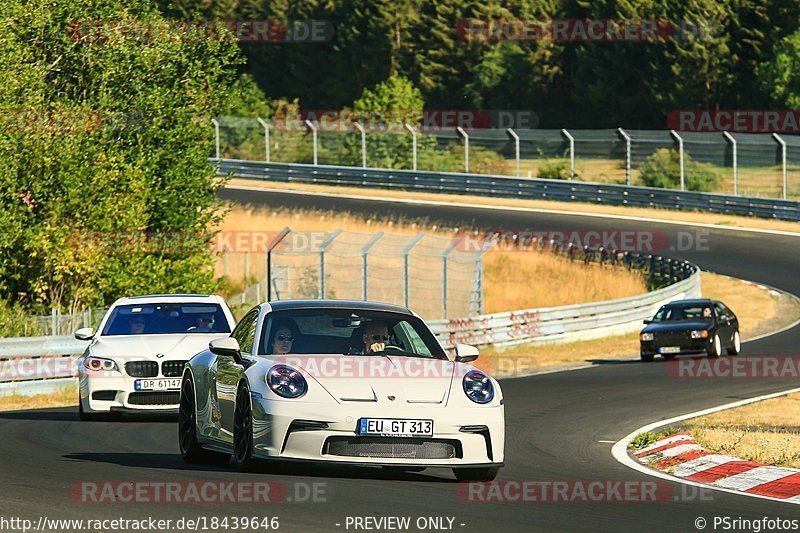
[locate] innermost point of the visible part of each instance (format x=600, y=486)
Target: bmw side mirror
x=226, y=347
x=84, y=334
x=466, y=353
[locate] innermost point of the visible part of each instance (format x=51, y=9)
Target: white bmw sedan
x=348, y=382
x=135, y=359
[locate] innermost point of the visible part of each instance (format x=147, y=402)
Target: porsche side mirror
x=226, y=347
x=466, y=353
x=84, y=334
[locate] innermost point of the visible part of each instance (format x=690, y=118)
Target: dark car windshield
x=342, y=331
x=684, y=312
x=158, y=318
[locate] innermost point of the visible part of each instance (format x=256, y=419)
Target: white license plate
x=670, y=349
x=394, y=427
x=157, y=384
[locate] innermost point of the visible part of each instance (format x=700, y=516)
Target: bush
x=554, y=169
x=663, y=169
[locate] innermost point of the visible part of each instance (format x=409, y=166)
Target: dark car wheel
x=647, y=357
x=191, y=451
x=715, y=350
x=736, y=344
x=476, y=474
x=243, y=431
x=90, y=417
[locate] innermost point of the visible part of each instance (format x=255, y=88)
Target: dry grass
x=513, y=280
x=759, y=311
x=767, y=432
x=66, y=397
x=727, y=221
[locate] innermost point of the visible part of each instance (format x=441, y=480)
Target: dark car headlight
x=286, y=382
x=646, y=337
x=699, y=334
x=100, y=363
x=478, y=387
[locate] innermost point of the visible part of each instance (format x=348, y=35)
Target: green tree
x=106, y=188
x=663, y=169
x=781, y=75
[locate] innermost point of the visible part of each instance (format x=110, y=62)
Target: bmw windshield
x=159, y=319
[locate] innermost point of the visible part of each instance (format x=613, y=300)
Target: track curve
x=554, y=421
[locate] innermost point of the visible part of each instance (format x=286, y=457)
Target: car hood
x=175, y=346
x=676, y=326
x=395, y=380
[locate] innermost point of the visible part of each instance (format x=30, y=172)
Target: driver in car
x=375, y=336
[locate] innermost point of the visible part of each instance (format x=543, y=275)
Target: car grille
x=104, y=395
x=172, y=369
x=142, y=369
x=154, y=398
x=392, y=448
x=670, y=338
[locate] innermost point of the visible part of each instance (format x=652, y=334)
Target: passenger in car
x=284, y=334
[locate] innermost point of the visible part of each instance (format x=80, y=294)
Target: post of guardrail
x=53, y=319
x=364, y=253
x=571, y=140
x=463, y=134
x=444, y=275
x=731, y=140
x=271, y=246
x=783, y=160
x=360, y=128
x=310, y=125
x=413, y=131
x=680, y=156
x=216, y=136
x=266, y=137
x=627, y=155
x=406, y=252
x=516, y=148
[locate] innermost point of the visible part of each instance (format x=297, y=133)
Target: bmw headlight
x=699, y=334
x=646, y=337
x=287, y=382
x=478, y=387
x=100, y=363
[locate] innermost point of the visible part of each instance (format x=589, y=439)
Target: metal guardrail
x=508, y=187
x=563, y=324
x=38, y=365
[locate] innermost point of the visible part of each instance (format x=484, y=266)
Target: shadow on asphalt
x=70, y=414
x=169, y=461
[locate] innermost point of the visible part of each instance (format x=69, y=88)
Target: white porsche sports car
x=135, y=359
x=347, y=382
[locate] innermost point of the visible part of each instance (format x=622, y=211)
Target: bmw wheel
x=736, y=344
x=243, y=431
x=191, y=451
x=715, y=350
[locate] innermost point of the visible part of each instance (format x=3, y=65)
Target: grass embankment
x=66, y=397
x=766, y=432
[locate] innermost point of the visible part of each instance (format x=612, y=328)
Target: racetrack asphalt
x=555, y=422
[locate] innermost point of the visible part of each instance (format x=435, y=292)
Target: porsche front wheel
x=243, y=431
x=476, y=474
x=191, y=451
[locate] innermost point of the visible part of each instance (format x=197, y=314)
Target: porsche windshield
x=683, y=312
x=347, y=332
x=157, y=318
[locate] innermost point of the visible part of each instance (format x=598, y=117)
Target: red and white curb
x=691, y=465
x=682, y=457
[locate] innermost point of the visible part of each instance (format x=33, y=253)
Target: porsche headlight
x=646, y=337
x=478, y=387
x=100, y=363
x=699, y=334
x=287, y=382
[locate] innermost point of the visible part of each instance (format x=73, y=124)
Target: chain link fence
x=438, y=277
x=748, y=164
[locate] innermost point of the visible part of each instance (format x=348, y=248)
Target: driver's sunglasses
x=204, y=319
x=379, y=338
x=284, y=338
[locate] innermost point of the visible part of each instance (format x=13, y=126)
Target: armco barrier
x=38, y=365
x=507, y=187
